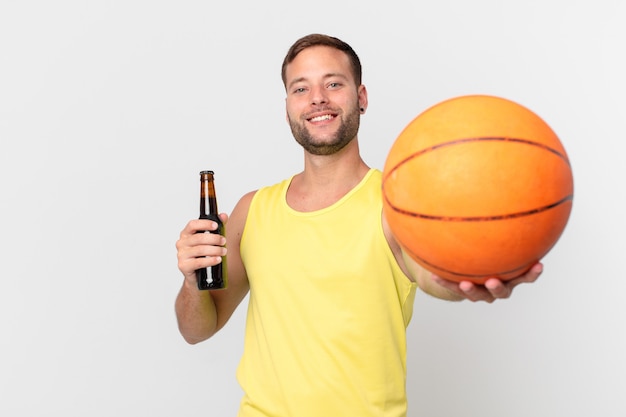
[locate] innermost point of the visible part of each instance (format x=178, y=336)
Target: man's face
x=322, y=100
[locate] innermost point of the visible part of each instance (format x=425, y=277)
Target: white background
x=109, y=109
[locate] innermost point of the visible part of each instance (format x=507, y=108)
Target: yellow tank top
x=328, y=309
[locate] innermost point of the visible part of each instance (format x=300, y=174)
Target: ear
x=362, y=93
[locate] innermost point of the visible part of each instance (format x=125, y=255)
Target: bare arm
x=201, y=314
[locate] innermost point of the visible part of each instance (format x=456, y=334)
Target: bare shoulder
x=236, y=224
x=237, y=219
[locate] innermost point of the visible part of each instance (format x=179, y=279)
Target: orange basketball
x=477, y=187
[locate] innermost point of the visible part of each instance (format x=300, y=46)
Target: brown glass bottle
x=212, y=277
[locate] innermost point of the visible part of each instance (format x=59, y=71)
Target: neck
x=326, y=178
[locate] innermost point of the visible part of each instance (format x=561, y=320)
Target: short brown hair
x=317, y=39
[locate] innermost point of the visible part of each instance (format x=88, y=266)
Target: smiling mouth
x=322, y=118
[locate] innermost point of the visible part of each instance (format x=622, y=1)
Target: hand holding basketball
x=492, y=289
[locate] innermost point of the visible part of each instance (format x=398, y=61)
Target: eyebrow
x=329, y=75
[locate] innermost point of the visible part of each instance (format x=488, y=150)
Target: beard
x=345, y=134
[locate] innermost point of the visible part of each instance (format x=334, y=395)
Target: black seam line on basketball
x=478, y=139
x=480, y=218
x=463, y=275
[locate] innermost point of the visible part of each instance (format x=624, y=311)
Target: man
x=331, y=290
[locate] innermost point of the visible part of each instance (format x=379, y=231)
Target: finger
x=533, y=273
x=475, y=292
x=198, y=225
x=464, y=289
x=498, y=289
x=189, y=265
x=191, y=258
x=205, y=238
x=199, y=251
x=529, y=277
x=203, y=250
x=190, y=245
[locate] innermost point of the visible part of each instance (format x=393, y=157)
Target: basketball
x=477, y=187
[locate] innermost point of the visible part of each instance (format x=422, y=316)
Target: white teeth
x=320, y=118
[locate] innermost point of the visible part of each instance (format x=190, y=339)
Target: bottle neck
x=208, y=200
x=208, y=206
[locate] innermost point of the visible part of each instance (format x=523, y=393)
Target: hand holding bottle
x=196, y=250
x=201, y=251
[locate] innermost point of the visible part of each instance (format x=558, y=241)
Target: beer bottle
x=212, y=277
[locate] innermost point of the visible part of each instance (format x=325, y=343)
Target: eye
x=299, y=90
x=334, y=84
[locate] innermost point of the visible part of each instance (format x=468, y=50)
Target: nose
x=319, y=96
